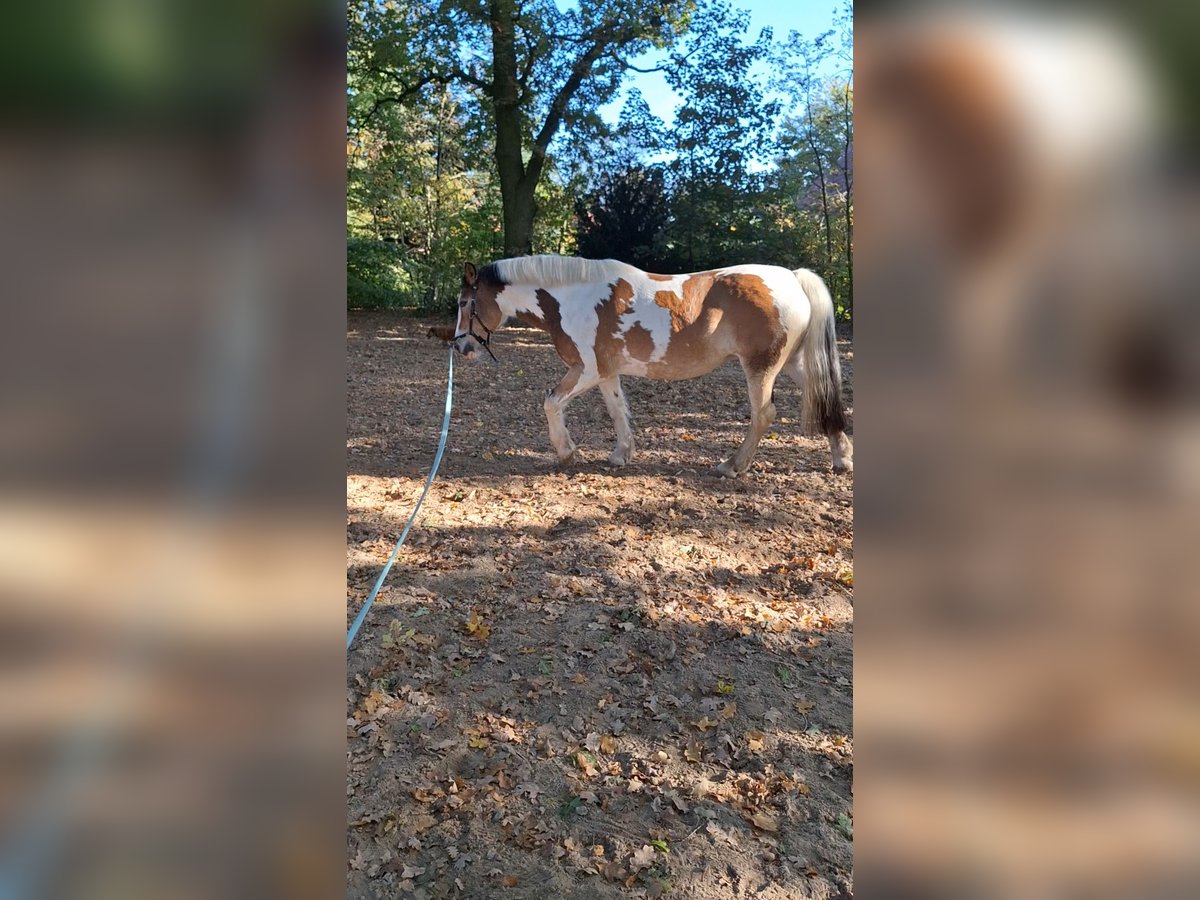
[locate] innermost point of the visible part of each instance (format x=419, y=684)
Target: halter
x=483, y=341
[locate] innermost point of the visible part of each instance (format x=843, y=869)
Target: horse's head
x=478, y=313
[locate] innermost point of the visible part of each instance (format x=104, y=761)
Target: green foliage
x=625, y=217
x=729, y=180
x=375, y=279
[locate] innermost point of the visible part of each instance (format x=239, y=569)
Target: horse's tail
x=818, y=352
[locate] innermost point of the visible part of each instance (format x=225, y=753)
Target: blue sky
x=809, y=17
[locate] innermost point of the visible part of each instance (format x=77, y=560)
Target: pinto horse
x=609, y=319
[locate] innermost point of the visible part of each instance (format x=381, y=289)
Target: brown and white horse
x=609, y=319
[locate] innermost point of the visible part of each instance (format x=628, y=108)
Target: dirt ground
x=587, y=682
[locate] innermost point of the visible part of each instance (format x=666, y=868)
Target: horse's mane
x=555, y=271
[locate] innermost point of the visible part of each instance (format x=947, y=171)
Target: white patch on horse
x=580, y=319
x=652, y=317
x=516, y=298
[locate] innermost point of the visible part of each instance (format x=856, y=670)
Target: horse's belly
x=692, y=352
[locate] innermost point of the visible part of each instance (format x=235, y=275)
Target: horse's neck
x=530, y=318
x=520, y=301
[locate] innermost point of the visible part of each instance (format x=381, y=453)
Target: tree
x=718, y=132
x=527, y=68
x=625, y=217
x=816, y=147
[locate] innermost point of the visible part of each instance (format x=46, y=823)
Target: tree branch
x=632, y=68
x=558, y=106
x=407, y=92
x=675, y=60
x=463, y=75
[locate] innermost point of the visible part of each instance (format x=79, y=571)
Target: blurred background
x=174, y=254
x=1027, y=710
x=171, y=485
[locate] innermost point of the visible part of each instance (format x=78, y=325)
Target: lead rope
x=437, y=460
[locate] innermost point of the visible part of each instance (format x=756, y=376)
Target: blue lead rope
x=437, y=460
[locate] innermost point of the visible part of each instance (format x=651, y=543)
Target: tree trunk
x=516, y=191
x=518, y=219
x=812, y=144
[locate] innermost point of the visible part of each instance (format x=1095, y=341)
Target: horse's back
x=753, y=312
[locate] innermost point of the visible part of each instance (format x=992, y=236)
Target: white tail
x=818, y=352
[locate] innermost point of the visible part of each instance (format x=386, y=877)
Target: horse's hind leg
x=760, y=385
x=839, y=445
x=574, y=383
x=614, y=399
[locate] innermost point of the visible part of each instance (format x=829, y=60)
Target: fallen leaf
x=764, y=821
x=608, y=744
x=754, y=740
x=729, y=710
x=412, y=871
x=510, y=881
x=586, y=762
x=706, y=724
x=642, y=859
x=693, y=751
x=476, y=627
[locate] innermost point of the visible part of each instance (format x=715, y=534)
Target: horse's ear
x=470, y=275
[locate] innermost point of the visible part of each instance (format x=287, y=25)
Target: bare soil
x=592, y=682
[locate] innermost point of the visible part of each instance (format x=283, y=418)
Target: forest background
x=671, y=135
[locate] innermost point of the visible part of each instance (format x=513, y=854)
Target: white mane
x=554, y=271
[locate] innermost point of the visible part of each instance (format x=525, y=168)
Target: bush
x=375, y=275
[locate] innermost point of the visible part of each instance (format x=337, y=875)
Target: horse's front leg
x=574, y=383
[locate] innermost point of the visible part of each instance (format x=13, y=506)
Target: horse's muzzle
x=466, y=346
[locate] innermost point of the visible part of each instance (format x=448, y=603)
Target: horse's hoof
x=842, y=468
x=725, y=470
x=565, y=459
x=619, y=458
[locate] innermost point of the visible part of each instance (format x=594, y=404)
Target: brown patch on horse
x=685, y=309
x=653, y=277
x=442, y=333
x=552, y=323
x=529, y=317
x=750, y=308
x=640, y=343
x=608, y=339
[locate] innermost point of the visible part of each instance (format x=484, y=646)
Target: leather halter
x=483, y=341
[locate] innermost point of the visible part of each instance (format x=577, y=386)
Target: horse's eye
x=462, y=304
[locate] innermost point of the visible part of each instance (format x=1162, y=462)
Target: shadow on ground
x=586, y=682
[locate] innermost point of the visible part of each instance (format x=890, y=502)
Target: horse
x=608, y=319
